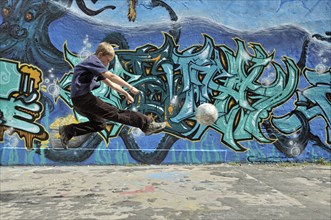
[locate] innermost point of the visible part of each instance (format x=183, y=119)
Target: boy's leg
x=97, y=111
x=94, y=124
x=111, y=113
x=135, y=119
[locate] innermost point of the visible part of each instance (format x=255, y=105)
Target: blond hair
x=106, y=49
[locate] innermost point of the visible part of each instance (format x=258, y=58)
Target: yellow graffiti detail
x=171, y=109
x=70, y=119
x=156, y=58
x=34, y=72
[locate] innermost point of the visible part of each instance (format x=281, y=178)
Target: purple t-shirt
x=86, y=76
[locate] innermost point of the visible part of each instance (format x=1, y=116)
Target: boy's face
x=105, y=59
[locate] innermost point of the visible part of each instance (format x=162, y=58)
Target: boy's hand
x=129, y=98
x=134, y=90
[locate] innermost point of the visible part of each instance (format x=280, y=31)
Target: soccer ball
x=206, y=114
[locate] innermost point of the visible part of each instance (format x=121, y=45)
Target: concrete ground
x=222, y=191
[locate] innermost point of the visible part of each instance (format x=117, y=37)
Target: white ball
x=206, y=114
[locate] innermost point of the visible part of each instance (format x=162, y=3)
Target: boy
x=85, y=79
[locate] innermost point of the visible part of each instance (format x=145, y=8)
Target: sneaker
x=64, y=138
x=155, y=127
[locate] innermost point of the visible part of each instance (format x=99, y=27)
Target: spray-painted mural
x=265, y=65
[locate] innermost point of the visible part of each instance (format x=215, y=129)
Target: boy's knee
x=100, y=125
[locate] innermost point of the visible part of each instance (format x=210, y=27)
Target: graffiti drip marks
x=20, y=109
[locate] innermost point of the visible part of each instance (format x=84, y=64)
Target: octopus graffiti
x=270, y=101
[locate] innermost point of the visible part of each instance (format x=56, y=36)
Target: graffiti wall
x=265, y=65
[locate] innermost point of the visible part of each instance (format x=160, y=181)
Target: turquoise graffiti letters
x=176, y=82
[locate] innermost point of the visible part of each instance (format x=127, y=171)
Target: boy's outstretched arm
x=119, y=89
x=118, y=80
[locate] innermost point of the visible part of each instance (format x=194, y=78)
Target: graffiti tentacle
x=155, y=157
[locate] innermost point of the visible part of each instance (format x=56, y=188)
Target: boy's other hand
x=129, y=98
